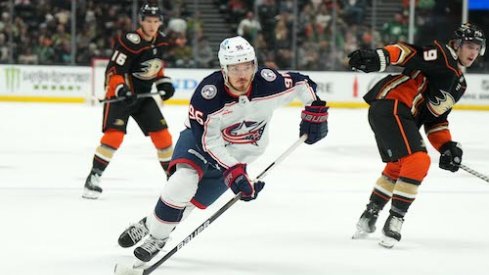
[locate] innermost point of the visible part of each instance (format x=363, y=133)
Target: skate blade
x=387, y=242
x=89, y=194
x=123, y=269
x=360, y=234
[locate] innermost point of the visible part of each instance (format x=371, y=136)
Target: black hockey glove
x=451, y=156
x=237, y=179
x=314, y=121
x=369, y=60
x=165, y=88
x=122, y=91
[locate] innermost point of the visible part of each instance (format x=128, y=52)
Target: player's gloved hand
x=369, y=60
x=314, y=121
x=165, y=88
x=122, y=91
x=451, y=156
x=237, y=179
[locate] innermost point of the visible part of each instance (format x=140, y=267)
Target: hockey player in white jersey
x=227, y=128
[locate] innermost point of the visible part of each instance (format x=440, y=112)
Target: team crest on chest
x=245, y=132
x=441, y=104
x=134, y=38
x=268, y=75
x=208, y=91
x=149, y=69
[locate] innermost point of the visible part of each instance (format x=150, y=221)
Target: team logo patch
x=209, y=91
x=149, y=69
x=246, y=132
x=268, y=75
x=119, y=122
x=134, y=38
x=441, y=104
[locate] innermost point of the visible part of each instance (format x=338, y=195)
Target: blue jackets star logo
x=245, y=132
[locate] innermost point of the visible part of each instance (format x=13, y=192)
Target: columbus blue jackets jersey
x=230, y=129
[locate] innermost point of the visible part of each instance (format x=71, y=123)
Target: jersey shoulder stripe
x=135, y=44
x=449, y=58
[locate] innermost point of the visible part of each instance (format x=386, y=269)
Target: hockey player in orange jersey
x=136, y=64
x=422, y=95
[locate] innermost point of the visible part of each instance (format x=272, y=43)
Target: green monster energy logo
x=12, y=78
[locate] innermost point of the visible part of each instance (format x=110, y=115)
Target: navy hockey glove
x=314, y=121
x=165, y=88
x=237, y=179
x=122, y=91
x=369, y=60
x=451, y=156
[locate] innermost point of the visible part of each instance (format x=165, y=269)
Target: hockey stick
x=118, y=99
x=129, y=270
x=475, y=173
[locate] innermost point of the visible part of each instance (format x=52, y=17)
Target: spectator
x=354, y=10
x=28, y=57
x=237, y=9
x=63, y=53
x=266, y=14
x=323, y=19
x=249, y=27
x=308, y=56
x=4, y=52
x=203, y=54
x=45, y=52
x=177, y=25
x=395, y=30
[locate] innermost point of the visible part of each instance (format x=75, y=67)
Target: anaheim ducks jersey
x=233, y=129
x=430, y=84
x=136, y=62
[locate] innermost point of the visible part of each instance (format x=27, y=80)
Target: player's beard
x=241, y=86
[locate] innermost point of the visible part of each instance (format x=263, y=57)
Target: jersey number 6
x=195, y=115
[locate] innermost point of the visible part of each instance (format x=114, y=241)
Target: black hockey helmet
x=472, y=33
x=150, y=9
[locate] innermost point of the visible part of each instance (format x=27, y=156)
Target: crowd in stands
x=327, y=30
x=40, y=30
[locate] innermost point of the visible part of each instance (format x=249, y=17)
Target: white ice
x=301, y=223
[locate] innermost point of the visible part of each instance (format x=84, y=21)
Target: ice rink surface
x=301, y=223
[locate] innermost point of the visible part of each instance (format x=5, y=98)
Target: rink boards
x=84, y=84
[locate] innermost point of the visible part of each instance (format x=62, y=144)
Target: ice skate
x=366, y=223
x=92, y=188
x=149, y=248
x=133, y=234
x=391, y=231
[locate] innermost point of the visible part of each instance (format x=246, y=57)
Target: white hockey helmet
x=235, y=50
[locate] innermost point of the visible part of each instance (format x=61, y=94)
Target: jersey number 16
x=119, y=58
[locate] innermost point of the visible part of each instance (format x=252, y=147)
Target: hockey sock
x=101, y=159
x=172, y=205
x=382, y=192
x=109, y=143
x=414, y=168
x=164, y=157
x=164, y=219
x=403, y=196
x=163, y=142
